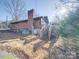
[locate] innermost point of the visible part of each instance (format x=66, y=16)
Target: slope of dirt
x=6, y=35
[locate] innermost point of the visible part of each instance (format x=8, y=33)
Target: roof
x=37, y=18
x=46, y=19
x=14, y=22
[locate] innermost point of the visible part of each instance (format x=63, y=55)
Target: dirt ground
x=8, y=35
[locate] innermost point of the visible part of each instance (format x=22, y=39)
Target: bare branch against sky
x=15, y=8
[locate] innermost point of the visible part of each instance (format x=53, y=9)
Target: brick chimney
x=30, y=19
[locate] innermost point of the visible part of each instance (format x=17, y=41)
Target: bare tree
x=15, y=8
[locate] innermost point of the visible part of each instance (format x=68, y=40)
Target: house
x=4, y=26
x=31, y=24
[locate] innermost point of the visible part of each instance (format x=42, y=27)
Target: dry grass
x=18, y=47
x=17, y=44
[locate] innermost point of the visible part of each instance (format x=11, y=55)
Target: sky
x=42, y=8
